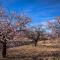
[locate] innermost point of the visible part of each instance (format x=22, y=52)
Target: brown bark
x=4, y=49
x=36, y=43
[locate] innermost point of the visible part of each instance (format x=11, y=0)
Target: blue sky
x=38, y=10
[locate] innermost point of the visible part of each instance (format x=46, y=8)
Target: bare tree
x=35, y=33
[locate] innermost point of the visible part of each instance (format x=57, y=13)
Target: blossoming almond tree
x=7, y=31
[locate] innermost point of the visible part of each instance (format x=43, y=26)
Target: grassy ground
x=29, y=52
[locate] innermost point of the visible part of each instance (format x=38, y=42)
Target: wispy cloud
x=38, y=10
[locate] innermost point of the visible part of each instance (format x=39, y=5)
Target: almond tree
x=6, y=31
x=22, y=22
x=55, y=27
x=52, y=27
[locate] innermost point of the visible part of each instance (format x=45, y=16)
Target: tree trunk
x=35, y=43
x=4, y=49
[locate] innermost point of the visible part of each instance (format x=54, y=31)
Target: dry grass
x=29, y=52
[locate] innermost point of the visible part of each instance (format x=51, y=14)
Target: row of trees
x=8, y=29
